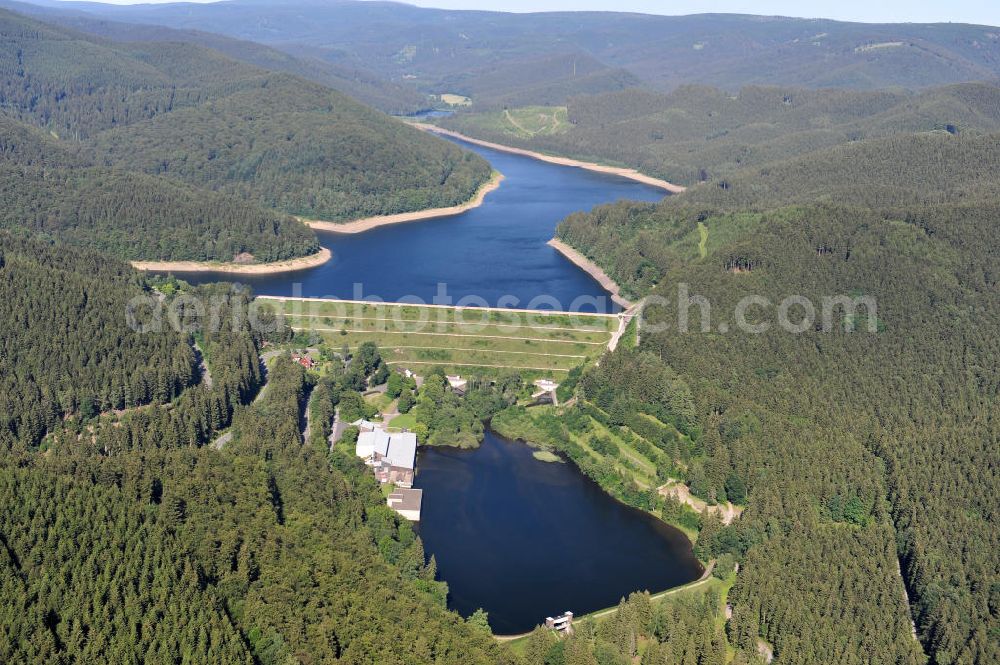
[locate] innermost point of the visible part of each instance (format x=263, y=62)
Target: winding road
x=227, y=436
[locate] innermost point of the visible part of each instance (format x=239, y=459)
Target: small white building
x=547, y=390
x=367, y=425
x=562, y=623
x=547, y=385
x=457, y=383
x=407, y=503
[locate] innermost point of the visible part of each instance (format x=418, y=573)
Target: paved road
x=624, y=319
x=338, y=429
x=227, y=436
x=206, y=373
x=307, y=430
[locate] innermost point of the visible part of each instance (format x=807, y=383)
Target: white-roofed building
x=365, y=446
x=406, y=502
x=457, y=383
x=366, y=425
x=392, y=455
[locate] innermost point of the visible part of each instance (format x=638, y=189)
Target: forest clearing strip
x=451, y=364
x=520, y=353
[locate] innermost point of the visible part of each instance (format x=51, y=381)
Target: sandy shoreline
x=631, y=174
x=592, y=269
x=301, y=263
x=369, y=223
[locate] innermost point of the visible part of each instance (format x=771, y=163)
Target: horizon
x=978, y=12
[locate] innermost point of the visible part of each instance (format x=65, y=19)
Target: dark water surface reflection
x=525, y=539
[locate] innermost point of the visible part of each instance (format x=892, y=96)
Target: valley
x=362, y=333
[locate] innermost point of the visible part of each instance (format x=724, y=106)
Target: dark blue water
x=525, y=539
x=488, y=253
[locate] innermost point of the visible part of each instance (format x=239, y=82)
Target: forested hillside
x=48, y=374
x=354, y=81
x=274, y=557
x=269, y=551
x=48, y=188
x=638, y=244
x=863, y=446
x=441, y=51
x=697, y=133
x=191, y=115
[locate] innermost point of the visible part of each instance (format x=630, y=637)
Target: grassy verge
x=404, y=421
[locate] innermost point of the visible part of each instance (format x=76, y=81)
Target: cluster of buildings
x=392, y=457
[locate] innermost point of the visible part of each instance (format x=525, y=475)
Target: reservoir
x=495, y=250
x=522, y=539
x=525, y=539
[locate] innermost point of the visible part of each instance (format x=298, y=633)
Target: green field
x=627, y=452
x=460, y=340
x=525, y=122
x=452, y=99
x=404, y=421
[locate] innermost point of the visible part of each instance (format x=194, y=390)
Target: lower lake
x=525, y=539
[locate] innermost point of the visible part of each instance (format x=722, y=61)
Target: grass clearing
x=404, y=421
x=629, y=461
x=453, y=99
x=459, y=339
x=525, y=122
x=381, y=401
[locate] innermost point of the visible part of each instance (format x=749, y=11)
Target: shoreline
x=592, y=269
x=288, y=265
x=631, y=174
x=369, y=223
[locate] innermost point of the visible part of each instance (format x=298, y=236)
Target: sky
x=893, y=11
